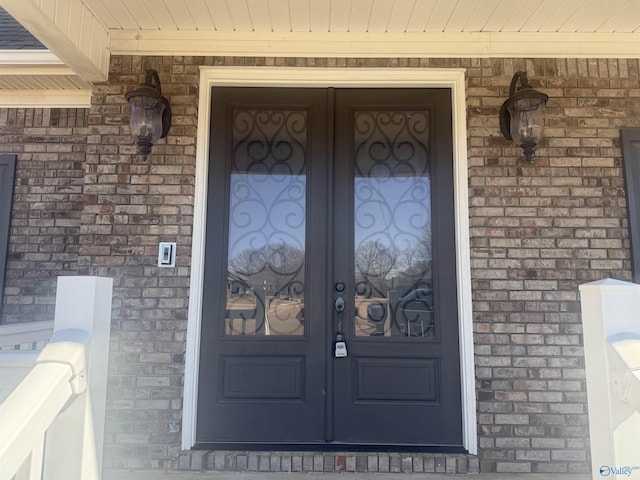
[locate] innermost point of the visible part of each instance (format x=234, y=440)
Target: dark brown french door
x=330, y=305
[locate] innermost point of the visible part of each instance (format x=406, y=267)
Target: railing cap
x=69, y=347
x=609, y=284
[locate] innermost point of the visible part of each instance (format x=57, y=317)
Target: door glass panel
x=267, y=219
x=392, y=225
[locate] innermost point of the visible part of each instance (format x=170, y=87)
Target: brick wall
x=537, y=231
x=47, y=205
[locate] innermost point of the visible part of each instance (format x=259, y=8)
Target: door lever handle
x=339, y=304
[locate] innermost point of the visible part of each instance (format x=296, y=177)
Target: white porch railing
x=611, y=327
x=25, y=336
x=52, y=423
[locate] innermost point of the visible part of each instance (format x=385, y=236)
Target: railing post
x=76, y=437
x=609, y=308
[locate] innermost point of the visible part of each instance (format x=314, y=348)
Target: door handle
x=340, y=346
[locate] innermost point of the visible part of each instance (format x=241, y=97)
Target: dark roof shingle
x=14, y=36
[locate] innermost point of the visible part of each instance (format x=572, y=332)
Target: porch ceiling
x=83, y=33
x=369, y=16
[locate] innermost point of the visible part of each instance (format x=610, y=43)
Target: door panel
x=394, y=248
x=311, y=190
x=262, y=370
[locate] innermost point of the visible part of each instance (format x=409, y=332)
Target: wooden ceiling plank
x=339, y=15
x=300, y=13
x=501, y=15
x=547, y=9
x=220, y=15
x=626, y=20
x=520, y=15
x=441, y=15
x=480, y=16
x=53, y=82
x=600, y=12
x=586, y=13
x=555, y=22
x=100, y=43
x=360, y=15
x=48, y=8
x=180, y=15
x=400, y=16
x=103, y=13
x=122, y=15
x=140, y=15
x=381, y=16
x=161, y=16
x=73, y=25
x=319, y=16
x=260, y=15
x=280, y=16
x=86, y=31
x=460, y=16
x=200, y=14
x=240, y=15
x=421, y=14
x=62, y=13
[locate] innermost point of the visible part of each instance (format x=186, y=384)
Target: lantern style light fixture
x=150, y=113
x=521, y=115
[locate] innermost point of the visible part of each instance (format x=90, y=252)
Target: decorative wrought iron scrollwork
x=267, y=218
x=392, y=219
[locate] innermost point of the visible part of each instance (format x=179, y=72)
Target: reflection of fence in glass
x=392, y=225
x=399, y=313
x=260, y=311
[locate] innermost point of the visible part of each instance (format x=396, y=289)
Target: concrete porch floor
x=167, y=475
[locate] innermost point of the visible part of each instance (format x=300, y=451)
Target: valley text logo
x=606, y=470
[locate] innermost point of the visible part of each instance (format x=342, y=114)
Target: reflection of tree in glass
x=417, y=262
x=277, y=268
x=374, y=262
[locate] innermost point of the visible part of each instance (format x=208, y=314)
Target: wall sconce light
x=150, y=113
x=521, y=115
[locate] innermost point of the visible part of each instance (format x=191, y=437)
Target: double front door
x=330, y=304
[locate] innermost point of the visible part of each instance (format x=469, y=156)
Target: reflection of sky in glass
x=266, y=210
x=394, y=211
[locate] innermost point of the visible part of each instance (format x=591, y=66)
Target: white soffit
x=37, y=78
x=68, y=29
x=373, y=28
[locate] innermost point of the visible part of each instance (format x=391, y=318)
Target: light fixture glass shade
x=521, y=115
x=150, y=113
x=146, y=120
x=527, y=124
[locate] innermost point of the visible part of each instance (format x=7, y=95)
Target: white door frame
x=324, y=78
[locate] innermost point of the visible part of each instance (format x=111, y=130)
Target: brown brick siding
x=537, y=231
x=47, y=205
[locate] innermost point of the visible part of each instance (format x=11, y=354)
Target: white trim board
x=376, y=45
x=322, y=78
x=45, y=98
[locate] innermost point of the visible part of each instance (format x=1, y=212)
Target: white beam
x=41, y=98
x=88, y=59
x=22, y=58
x=439, y=45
